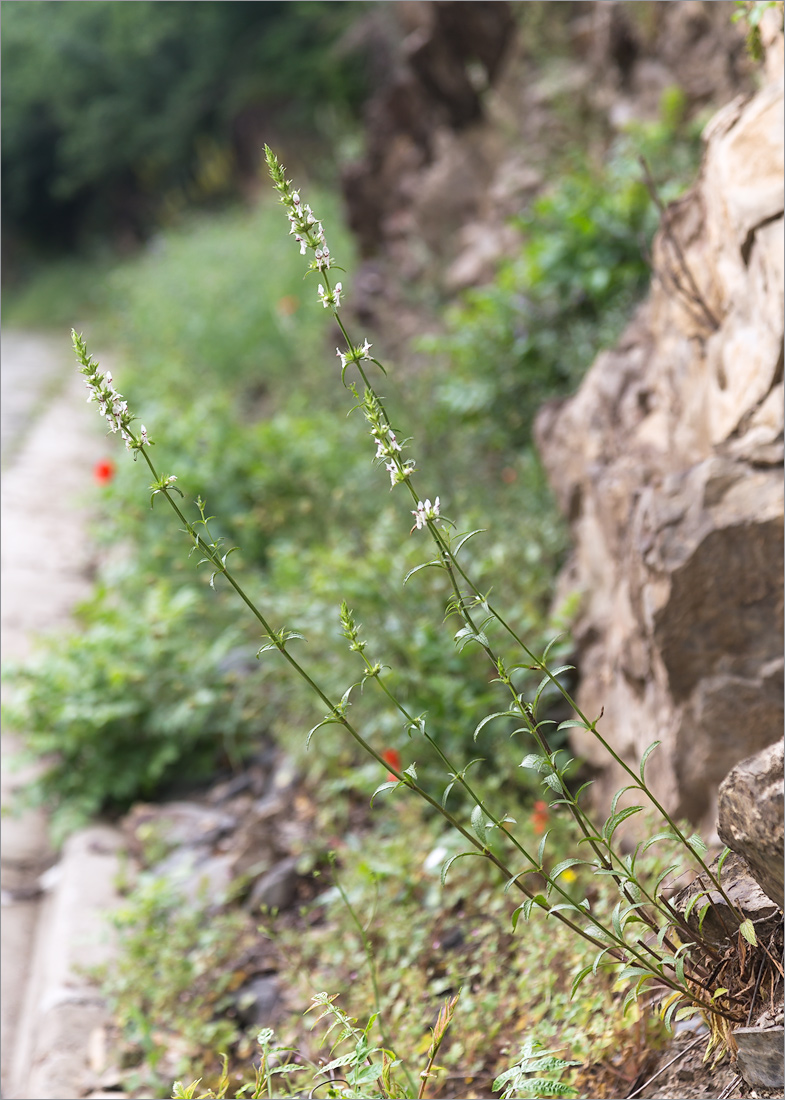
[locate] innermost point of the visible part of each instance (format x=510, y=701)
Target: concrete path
x=52, y=925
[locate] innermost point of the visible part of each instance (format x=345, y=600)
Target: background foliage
x=112, y=110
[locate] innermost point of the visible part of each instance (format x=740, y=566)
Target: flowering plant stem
x=643, y=961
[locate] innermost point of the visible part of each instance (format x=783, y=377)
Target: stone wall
x=668, y=464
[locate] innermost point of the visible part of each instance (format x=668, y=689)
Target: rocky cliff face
x=668, y=463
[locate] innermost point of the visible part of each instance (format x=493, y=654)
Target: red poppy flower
x=393, y=758
x=539, y=818
x=103, y=472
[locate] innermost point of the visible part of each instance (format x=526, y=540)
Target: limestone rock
x=760, y=1058
x=667, y=463
x=718, y=924
x=750, y=817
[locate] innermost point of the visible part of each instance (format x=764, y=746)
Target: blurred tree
x=107, y=107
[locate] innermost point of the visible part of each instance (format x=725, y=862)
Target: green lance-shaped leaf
x=390, y=786
x=480, y=824
x=615, y=820
x=539, y=900
x=490, y=717
x=748, y=931
x=464, y=539
x=435, y=564
x=534, y=761
x=665, y=834
x=563, y=866
x=449, y=862
x=697, y=844
x=467, y=634
x=647, y=753
x=548, y=679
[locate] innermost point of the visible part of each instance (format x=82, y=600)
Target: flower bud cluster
x=111, y=404
x=330, y=296
x=424, y=512
x=387, y=446
x=303, y=225
x=353, y=355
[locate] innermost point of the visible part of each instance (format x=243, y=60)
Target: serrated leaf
x=564, y=865
x=554, y=782
x=697, y=844
x=480, y=824
x=411, y=771
x=748, y=931
x=666, y=834
x=615, y=820
x=534, y=761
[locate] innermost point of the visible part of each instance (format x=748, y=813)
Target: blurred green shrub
x=110, y=108
x=135, y=701
x=535, y=330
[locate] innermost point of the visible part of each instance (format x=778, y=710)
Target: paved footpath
x=51, y=1017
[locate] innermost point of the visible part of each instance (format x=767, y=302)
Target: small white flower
x=302, y=243
x=146, y=442
x=330, y=297
x=424, y=512
x=365, y=349
x=392, y=470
